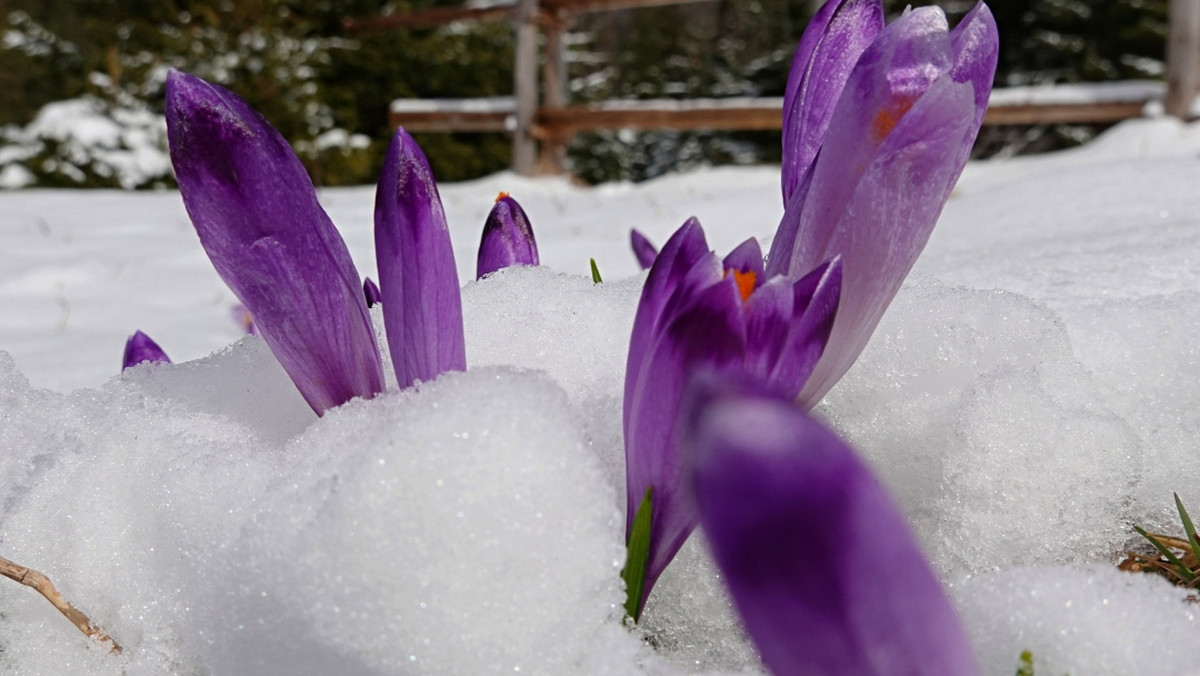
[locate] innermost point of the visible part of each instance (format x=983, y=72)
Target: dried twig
x=41, y=583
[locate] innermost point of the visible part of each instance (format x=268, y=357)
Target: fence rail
x=547, y=121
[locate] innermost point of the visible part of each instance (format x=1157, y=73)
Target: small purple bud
x=643, y=250
x=371, y=292
x=243, y=318
x=507, y=238
x=140, y=348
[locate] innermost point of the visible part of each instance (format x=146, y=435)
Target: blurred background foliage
x=83, y=79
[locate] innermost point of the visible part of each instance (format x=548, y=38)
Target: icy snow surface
x=1031, y=393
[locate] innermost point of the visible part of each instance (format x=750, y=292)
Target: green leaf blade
x=1188, y=527
x=595, y=272
x=1170, y=556
x=638, y=556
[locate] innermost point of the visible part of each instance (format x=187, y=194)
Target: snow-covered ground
x=1033, y=391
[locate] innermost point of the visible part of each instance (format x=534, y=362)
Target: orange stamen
x=744, y=280
x=501, y=196
x=887, y=119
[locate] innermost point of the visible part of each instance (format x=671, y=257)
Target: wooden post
x=525, y=88
x=554, y=89
x=1183, y=56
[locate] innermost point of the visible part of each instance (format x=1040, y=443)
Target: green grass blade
x=1187, y=526
x=1162, y=549
x=637, y=557
x=595, y=272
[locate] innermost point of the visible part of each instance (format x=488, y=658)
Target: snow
x=1030, y=394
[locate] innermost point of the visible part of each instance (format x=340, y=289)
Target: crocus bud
x=418, y=282
x=888, y=156
x=819, y=561
x=370, y=292
x=507, y=238
x=140, y=348
x=643, y=250
x=256, y=212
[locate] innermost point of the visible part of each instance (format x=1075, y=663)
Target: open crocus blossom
x=257, y=215
x=418, y=281
x=819, y=561
x=878, y=124
x=507, y=238
x=698, y=311
x=141, y=348
x=643, y=250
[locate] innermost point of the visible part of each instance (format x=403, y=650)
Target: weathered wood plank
x=525, y=88
x=1183, y=56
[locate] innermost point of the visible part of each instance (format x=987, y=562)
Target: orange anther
x=744, y=280
x=501, y=196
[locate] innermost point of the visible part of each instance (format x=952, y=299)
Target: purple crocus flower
x=507, y=238
x=819, y=561
x=370, y=292
x=257, y=215
x=418, y=282
x=141, y=348
x=699, y=311
x=878, y=124
x=643, y=250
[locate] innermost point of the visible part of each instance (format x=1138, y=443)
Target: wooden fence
x=550, y=122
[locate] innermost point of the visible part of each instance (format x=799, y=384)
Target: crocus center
x=501, y=196
x=744, y=280
x=887, y=119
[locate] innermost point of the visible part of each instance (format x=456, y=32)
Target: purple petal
x=815, y=301
x=820, y=562
x=976, y=44
x=140, y=348
x=422, y=308
x=642, y=249
x=768, y=313
x=747, y=257
x=370, y=292
x=703, y=330
x=507, y=238
x=677, y=258
x=832, y=43
x=257, y=216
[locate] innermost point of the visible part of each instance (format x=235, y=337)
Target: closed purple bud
x=140, y=348
x=507, y=238
x=892, y=151
x=418, y=282
x=819, y=561
x=643, y=250
x=257, y=215
x=370, y=292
